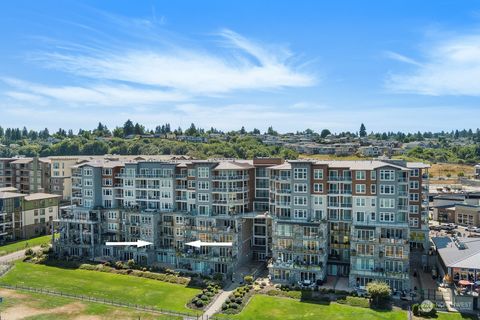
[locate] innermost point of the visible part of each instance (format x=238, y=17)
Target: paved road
x=17, y=255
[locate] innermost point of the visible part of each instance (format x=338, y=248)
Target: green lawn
x=23, y=244
x=53, y=307
x=453, y=316
x=102, y=285
x=265, y=307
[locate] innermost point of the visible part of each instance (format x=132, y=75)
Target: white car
x=472, y=229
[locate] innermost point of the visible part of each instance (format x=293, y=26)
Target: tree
x=363, y=131
x=128, y=128
x=271, y=132
x=379, y=291
x=325, y=133
x=256, y=131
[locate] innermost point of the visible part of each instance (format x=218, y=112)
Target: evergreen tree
x=363, y=131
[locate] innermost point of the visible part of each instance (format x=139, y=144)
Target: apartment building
x=27, y=175
x=39, y=210
x=308, y=219
x=25, y=216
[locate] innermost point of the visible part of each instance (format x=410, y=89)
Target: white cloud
x=128, y=74
x=450, y=67
x=99, y=95
x=402, y=58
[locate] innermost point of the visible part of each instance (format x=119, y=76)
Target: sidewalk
x=221, y=298
x=17, y=255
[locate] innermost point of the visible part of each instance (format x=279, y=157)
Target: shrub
x=119, y=265
x=415, y=309
x=224, y=306
x=238, y=300
x=199, y=304
x=248, y=279
x=204, y=297
x=234, y=305
x=29, y=252
x=355, y=302
x=379, y=291
x=218, y=277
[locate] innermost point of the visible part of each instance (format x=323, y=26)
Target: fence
x=104, y=301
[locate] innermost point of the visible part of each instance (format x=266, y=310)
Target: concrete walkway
x=216, y=305
x=17, y=255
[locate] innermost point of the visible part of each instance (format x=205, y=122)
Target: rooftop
x=41, y=196
x=459, y=253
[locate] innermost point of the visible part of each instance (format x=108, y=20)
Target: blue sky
x=393, y=65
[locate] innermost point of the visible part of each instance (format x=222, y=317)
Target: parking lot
x=449, y=230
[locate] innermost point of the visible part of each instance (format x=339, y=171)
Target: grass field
x=23, y=244
x=32, y=306
x=263, y=307
x=108, y=286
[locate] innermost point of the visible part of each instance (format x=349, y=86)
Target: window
x=360, y=216
x=413, y=222
x=203, y=197
x=203, y=172
x=107, y=171
x=360, y=188
x=393, y=251
x=387, y=203
x=372, y=216
x=365, y=264
x=387, y=217
x=87, y=172
x=87, y=182
x=387, y=189
x=360, y=202
x=393, y=266
x=203, y=210
x=373, y=175
x=107, y=192
x=317, y=200
x=360, y=175
x=365, y=234
x=387, y=175
x=414, y=173
x=203, y=185
x=300, y=213
x=318, y=187
x=285, y=230
x=300, y=187
x=87, y=203
x=318, y=174
x=112, y=215
x=300, y=173
x=414, y=184
x=107, y=182
x=300, y=201
x=414, y=209
x=373, y=189
x=107, y=203
x=365, y=249
x=88, y=192
x=414, y=197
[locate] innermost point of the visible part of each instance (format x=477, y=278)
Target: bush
x=379, y=291
x=238, y=300
x=234, y=305
x=355, y=302
x=119, y=265
x=204, y=297
x=248, y=279
x=224, y=306
x=199, y=304
x=415, y=309
x=29, y=252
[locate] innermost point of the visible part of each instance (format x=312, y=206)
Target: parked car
x=472, y=229
x=306, y=284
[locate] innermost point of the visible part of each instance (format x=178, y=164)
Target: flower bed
x=238, y=299
x=203, y=299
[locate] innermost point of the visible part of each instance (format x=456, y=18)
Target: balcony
x=393, y=241
x=340, y=178
x=281, y=178
x=231, y=177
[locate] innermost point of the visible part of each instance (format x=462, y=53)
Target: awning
x=464, y=283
